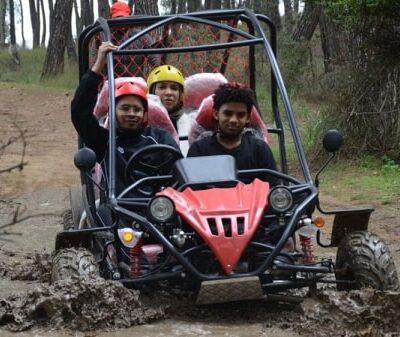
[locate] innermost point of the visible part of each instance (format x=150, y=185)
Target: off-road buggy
x=199, y=224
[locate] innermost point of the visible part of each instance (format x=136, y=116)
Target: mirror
x=332, y=140
x=85, y=159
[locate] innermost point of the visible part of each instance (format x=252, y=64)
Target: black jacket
x=96, y=137
x=252, y=153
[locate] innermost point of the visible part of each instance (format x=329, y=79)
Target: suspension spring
x=308, y=249
x=135, y=259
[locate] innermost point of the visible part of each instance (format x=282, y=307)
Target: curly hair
x=233, y=92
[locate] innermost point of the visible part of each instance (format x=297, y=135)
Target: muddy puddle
x=96, y=307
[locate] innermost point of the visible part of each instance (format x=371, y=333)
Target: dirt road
x=29, y=306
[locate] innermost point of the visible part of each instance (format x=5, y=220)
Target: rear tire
x=364, y=258
x=72, y=262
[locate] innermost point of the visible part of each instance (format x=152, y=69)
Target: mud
x=94, y=304
x=77, y=304
x=366, y=313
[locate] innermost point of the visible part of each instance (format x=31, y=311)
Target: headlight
x=161, y=209
x=280, y=199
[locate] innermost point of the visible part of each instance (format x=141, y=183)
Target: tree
x=308, y=22
x=54, y=61
x=13, y=43
x=35, y=22
x=147, y=7
x=3, y=9
x=360, y=42
x=103, y=9
x=193, y=6
x=86, y=13
x=22, y=24
x=44, y=30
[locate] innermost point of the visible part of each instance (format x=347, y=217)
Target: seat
x=199, y=86
x=204, y=124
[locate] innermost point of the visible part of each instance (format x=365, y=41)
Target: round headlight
x=280, y=199
x=161, y=209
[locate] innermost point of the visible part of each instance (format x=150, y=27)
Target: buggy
x=199, y=224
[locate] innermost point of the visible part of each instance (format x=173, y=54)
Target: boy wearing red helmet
x=131, y=117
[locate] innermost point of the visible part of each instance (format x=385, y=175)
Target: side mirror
x=85, y=159
x=332, y=140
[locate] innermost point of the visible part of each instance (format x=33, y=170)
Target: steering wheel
x=150, y=161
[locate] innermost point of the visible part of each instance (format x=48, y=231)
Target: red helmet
x=120, y=9
x=131, y=88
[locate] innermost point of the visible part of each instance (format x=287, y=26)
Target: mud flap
x=229, y=290
x=68, y=239
x=349, y=221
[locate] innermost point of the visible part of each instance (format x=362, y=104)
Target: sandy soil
x=29, y=306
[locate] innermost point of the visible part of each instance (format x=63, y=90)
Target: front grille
x=227, y=225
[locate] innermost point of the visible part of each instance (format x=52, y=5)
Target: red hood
x=239, y=209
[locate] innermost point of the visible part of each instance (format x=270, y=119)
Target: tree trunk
x=193, y=6
x=272, y=10
x=146, y=7
x=12, y=22
x=173, y=9
x=51, y=13
x=35, y=24
x=216, y=4
x=288, y=9
x=226, y=4
x=296, y=7
x=288, y=15
x=71, y=48
x=3, y=7
x=54, y=62
x=44, y=31
x=13, y=43
x=308, y=22
x=181, y=6
x=86, y=13
x=22, y=25
x=104, y=9
x=78, y=19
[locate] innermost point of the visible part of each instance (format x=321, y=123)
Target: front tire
x=364, y=258
x=73, y=262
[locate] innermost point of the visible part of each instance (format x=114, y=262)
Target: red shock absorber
x=135, y=259
x=308, y=248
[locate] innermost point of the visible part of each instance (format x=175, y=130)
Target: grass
x=30, y=68
x=367, y=181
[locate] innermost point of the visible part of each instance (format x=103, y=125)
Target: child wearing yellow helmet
x=167, y=82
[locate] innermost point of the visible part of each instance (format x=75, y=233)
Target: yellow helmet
x=163, y=73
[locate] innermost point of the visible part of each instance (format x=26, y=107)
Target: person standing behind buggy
x=231, y=111
x=128, y=65
x=167, y=82
x=131, y=118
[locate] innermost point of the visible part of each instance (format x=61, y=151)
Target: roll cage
x=241, y=30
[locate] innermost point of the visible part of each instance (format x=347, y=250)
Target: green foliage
x=389, y=166
x=359, y=8
x=29, y=71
